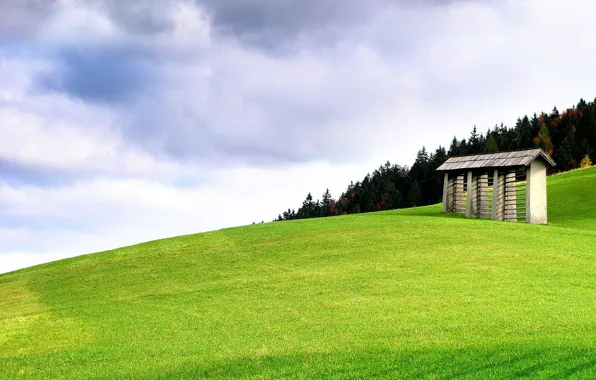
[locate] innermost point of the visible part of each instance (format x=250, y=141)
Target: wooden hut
x=503, y=186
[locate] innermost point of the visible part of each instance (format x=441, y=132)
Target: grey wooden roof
x=496, y=160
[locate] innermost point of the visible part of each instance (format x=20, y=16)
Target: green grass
x=409, y=293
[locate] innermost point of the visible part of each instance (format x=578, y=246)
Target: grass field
x=408, y=293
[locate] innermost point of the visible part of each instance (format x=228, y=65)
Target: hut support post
x=536, y=193
x=472, y=201
x=448, y=185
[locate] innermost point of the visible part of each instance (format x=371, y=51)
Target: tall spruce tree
x=414, y=194
x=474, y=144
x=490, y=145
x=326, y=204
x=454, y=147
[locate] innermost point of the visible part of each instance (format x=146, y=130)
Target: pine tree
x=420, y=168
x=454, y=147
x=524, y=133
x=391, y=199
x=534, y=125
x=308, y=209
x=490, y=145
x=326, y=204
x=318, y=210
x=438, y=158
x=503, y=140
x=414, y=194
x=474, y=145
x=463, y=147
x=564, y=154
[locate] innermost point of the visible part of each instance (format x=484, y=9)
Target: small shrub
x=586, y=162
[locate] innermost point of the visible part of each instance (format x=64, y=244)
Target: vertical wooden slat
x=483, y=204
x=510, y=202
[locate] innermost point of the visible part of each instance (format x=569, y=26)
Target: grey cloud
x=15, y=173
x=235, y=124
x=255, y=21
x=23, y=16
x=105, y=74
x=140, y=16
x=278, y=25
x=273, y=24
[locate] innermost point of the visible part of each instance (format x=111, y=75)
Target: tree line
x=569, y=137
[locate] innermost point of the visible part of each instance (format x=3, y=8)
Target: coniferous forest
x=569, y=137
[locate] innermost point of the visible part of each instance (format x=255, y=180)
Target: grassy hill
x=407, y=293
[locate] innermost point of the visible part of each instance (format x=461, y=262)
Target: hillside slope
x=408, y=293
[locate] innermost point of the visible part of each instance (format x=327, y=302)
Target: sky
x=123, y=122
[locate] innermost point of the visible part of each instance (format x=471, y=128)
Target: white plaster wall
x=536, y=212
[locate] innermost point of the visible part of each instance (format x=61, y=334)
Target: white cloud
x=52, y=132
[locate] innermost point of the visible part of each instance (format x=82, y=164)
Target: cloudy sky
x=122, y=122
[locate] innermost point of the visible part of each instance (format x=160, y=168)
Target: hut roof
x=496, y=160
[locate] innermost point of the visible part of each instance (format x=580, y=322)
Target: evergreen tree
x=434, y=188
x=564, y=154
x=318, y=211
x=490, y=145
x=394, y=198
x=308, y=209
x=420, y=168
x=503, y=140
x=525, y=136
x=534, y=125
x=586, y=128
x=463, y=147
x=555, y=113
x=438, y=158
x=454, y=147
x=326, y=204
x=474, y=144
x=414, y=194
